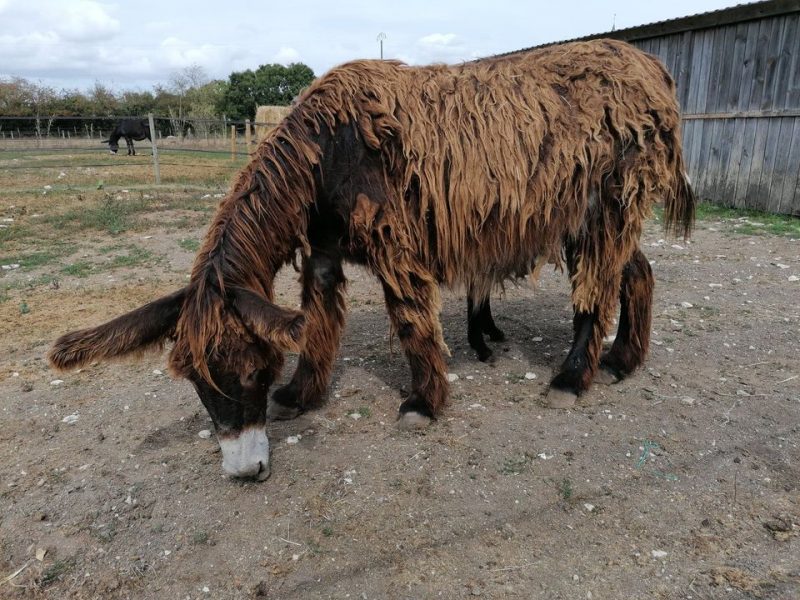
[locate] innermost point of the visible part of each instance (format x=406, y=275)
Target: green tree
x=269, y=84
x=103, y=100
x=201, y=105
x=136, y=103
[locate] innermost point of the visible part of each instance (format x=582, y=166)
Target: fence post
x=153, y=138
x=247, y=135
x=233, y=142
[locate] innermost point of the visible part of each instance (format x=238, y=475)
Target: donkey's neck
x=264, y=219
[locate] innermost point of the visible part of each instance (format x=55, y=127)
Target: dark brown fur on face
x=464, y=175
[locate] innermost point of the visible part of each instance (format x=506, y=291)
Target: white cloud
x=441, y=47
x=177, y=53
x=81, y=20
x=286, y=55
x=438, y=39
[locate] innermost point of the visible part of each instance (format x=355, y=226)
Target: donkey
x=460, y=175
x=130, y=129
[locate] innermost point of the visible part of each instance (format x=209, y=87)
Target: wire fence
x=34, y=144
x=56, y=134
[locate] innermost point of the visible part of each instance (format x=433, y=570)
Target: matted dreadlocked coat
x=488, y=169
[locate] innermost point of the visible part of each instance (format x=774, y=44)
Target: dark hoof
x=283, y=404
x=559, y=398
x=486, y=356
x=607, y=376
x=611, y=371
x=414, y=413
x=564, y=390
x=280, y=412
x=496, y=335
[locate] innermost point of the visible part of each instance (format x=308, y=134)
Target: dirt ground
x=681, y=482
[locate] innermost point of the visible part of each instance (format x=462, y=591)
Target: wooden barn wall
x=739, y=89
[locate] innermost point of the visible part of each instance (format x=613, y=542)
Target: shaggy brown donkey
x=464, y=175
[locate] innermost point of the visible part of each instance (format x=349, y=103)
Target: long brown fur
x=508, y=157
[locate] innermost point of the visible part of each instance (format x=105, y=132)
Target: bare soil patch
x=680, y=482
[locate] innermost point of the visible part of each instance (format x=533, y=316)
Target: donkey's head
x=231, y=366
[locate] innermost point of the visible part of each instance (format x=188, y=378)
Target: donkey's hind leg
x=475, y=318
x=594, y=290
x=324, y=307
x=480, y=322
x=633, y=333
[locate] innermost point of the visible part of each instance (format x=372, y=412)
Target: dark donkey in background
x=130, y=129
x=464, y=176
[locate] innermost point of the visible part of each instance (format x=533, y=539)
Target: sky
x=73, y=44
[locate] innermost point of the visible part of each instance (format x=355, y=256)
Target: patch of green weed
x=189, y=244
x=78, y=269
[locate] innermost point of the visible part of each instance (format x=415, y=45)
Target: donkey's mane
x=256, y=229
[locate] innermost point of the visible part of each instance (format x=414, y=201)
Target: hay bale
x=267, y=117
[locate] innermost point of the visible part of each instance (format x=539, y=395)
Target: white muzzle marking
x=246, y=455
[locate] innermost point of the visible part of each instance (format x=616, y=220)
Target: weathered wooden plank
x=715, y=57
x=713, y=164
x=760, y=61
x=725, y=69
x=788, y=161
x=748, y=65
x=745, y=114
x=731, y=99
x=725, y=186
x=687, y=137
x=694, y=66
x=705, y=68
x=690, y=135
x=705, y=176
x=777, y=31
x=734, y=163
x=674, y=54
x=756, y=194
x=661, y=49
x=790, y=41
x=743, y=176
x=770, y=155
x=684, y=75
x=793, y=91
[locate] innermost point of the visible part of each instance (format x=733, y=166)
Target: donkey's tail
x=680, y=205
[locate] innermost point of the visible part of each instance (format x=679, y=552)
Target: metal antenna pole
x=380, y=38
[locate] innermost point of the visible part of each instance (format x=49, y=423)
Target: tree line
x=189, y=95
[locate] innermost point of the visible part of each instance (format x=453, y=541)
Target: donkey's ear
x=271, y=323
x=143, y=329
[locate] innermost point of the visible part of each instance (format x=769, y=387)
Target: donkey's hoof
x=282, y=412
x=558, y=398
x=607, y=376
x=410, y=421
x=486, y=356
x=414, y=413
x=283, y=404
x=496, y=335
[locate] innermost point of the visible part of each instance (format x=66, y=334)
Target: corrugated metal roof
x=714, y=18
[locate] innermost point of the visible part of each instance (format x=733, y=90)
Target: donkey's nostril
x=263, y=471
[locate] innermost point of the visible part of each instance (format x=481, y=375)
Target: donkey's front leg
x=415, y=318
x=324, y=308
